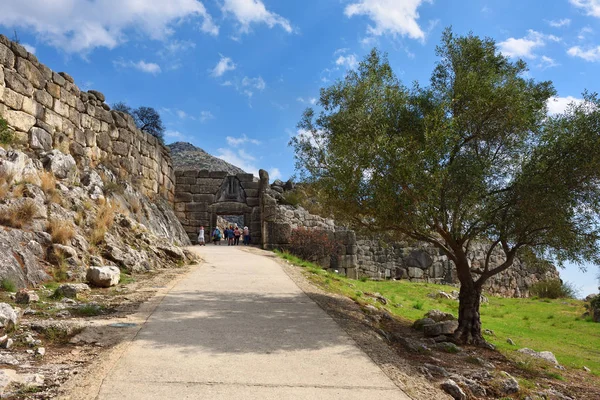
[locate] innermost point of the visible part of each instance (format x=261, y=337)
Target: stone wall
x=422, y=262
x=47, y=110
x=201, y=196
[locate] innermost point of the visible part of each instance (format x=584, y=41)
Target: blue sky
x=233, y=76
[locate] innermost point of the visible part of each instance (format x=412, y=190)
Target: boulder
x=508, y=384
x=62, y=166
x=543, y=355
x=452, y=388
x=421, y=323
x=8, y=317
x=418, y=259
x=40, y=139
x=440, y=328
x=24, y=296
x=439, y=316
x=19, y=166
x=72, y=290
x=103, y=276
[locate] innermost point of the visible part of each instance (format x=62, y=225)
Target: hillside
x=186, y=155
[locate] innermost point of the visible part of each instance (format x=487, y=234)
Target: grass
x=102, y=222
x=126, y=279
x=575, y=341
x=18, y=215
x=61, y=231
x=87, y=310
x=8, y=285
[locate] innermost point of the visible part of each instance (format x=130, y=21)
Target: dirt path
x=239, y=327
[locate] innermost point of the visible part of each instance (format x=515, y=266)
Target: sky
x=234, y=76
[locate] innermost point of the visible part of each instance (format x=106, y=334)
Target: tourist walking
x=246, y=236
x=216, y=236
x=236, y=236
x=201, y=236
x=231, y=236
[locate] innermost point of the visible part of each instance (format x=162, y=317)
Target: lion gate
x=202, y=196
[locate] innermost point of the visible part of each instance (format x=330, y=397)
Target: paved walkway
x=239, y=328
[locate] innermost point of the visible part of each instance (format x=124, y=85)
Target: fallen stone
x=440, y=328
x=586, y=369
x=511, y=342
x=543, y=355
x=448, y=347
x=24, y=296
x=508, y=384
x=103, y=276
x=421, y=323
x=439, y=316
x=72, y=290
x=62, y=166
x=8, y=317
x=453, y=390
x=8, y=359
x=436, y=370
x=40, y=351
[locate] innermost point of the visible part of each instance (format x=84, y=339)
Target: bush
x=8, y=285
x=7, y=135
x=61, y=232
x=553, y=289
x=18, y=215
x=292, y=198
x=314, y=245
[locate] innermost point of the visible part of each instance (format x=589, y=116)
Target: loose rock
x=453, y=390
x=103, y=276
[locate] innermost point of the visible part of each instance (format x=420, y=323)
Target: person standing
x=201, y=236
x=246, y=236
x=236, y=236
x=216, y=236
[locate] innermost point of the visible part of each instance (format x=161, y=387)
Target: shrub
x=102, y=223
x=313, y=245
x=61, y=232
x=7, y=135
x=553, y=289
x=113, y=188
x=292, y=198
x=8, y=285
x=18, y=215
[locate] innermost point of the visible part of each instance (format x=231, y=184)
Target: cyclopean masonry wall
x=48, y=111
x=201, y=196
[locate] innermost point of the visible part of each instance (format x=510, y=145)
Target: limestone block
x=250, y=185
x=7, y=57
x=67, y=77
x=27, y=70
x=87, y=122
x=1, y=78
x=183, y=197
x=252, y=201
x=196, y=207
x=18, y=83
x=32, y=107
x=77, y=150
x=74, y=116
x=59, y=80
x=218, y=174
x=278, y=233
x=90, y=138
x=418, y=259
x=104, y=115
x=103, y=276
x=43, y=97
x=103, y=140
x=19, y=120
x=414, y=272
x=251, y=192
x=39, y=139
x=204, y=198
x=190, y=172
x=125, y=135
x=203, y=173
x=182, y=188
x=245, y=177
x=53, y=89
x=120, y=148
x=186, y=180
x=68, y=98
x=12, y=99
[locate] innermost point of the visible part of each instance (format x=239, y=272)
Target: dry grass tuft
x=18, y=215
x=103, y=222
x=61, y=232
x=48, y=185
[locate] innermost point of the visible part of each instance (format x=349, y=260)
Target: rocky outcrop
x=186, y=156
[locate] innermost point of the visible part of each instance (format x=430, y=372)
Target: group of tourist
x=231, y=234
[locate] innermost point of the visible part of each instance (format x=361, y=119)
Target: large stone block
x=32, y=107
x=245, y=177
x=186, y=180
x=61, y=108
x=17, y=83
x=278, y=233
x=43, y=97
x=183, y=197
x=68, y=97
x=196, y=207
x=418, y=259
x=218, y=174
x=103, y=140
x=53, y=119
x=204, y=198
x=53, y=89
x=12, y=99
x=27, y=70
x=252, y=201
x=39, y=139
x=59, y=80
x=19, y=120
x=7, y=57
x=203, y=173
x=251, y=192
x=250, y=185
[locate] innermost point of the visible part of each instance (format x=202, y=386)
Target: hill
x=186, y=155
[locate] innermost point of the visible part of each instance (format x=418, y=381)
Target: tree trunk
x=469, y=322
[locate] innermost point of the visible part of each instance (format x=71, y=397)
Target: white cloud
x=591, y=7
x=225, y=64
x=256, y=83
x=315, y=139
x=81, y=26
x=245, y=155
x=174, y=135
x=248, y=12
x=309, y=100
x=391, y=17
x=558, y=105
x=206, y=115
x=29, y=48
x=524, y=47
x=584, y=31
x=274, y=173
x=591, y=54
x=149, y=68
x=547, y=62
x=238, y=141
x=348, y=61
x=237, y=160
x=560, y=23
x=181, y=114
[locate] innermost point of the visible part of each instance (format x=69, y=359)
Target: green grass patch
x=8, y=285
x=126, y=279
x=554, y=325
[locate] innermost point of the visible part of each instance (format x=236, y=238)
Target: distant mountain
x=187, y=156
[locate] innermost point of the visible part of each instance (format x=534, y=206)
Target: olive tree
x=147, y=119
x=472, y=157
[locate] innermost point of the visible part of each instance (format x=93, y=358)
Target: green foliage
x=7, y=135
x=472, y=157
x=553, y=289
x=113, y=188
x=291, y=198
x=8, y=285
x=87, y=310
